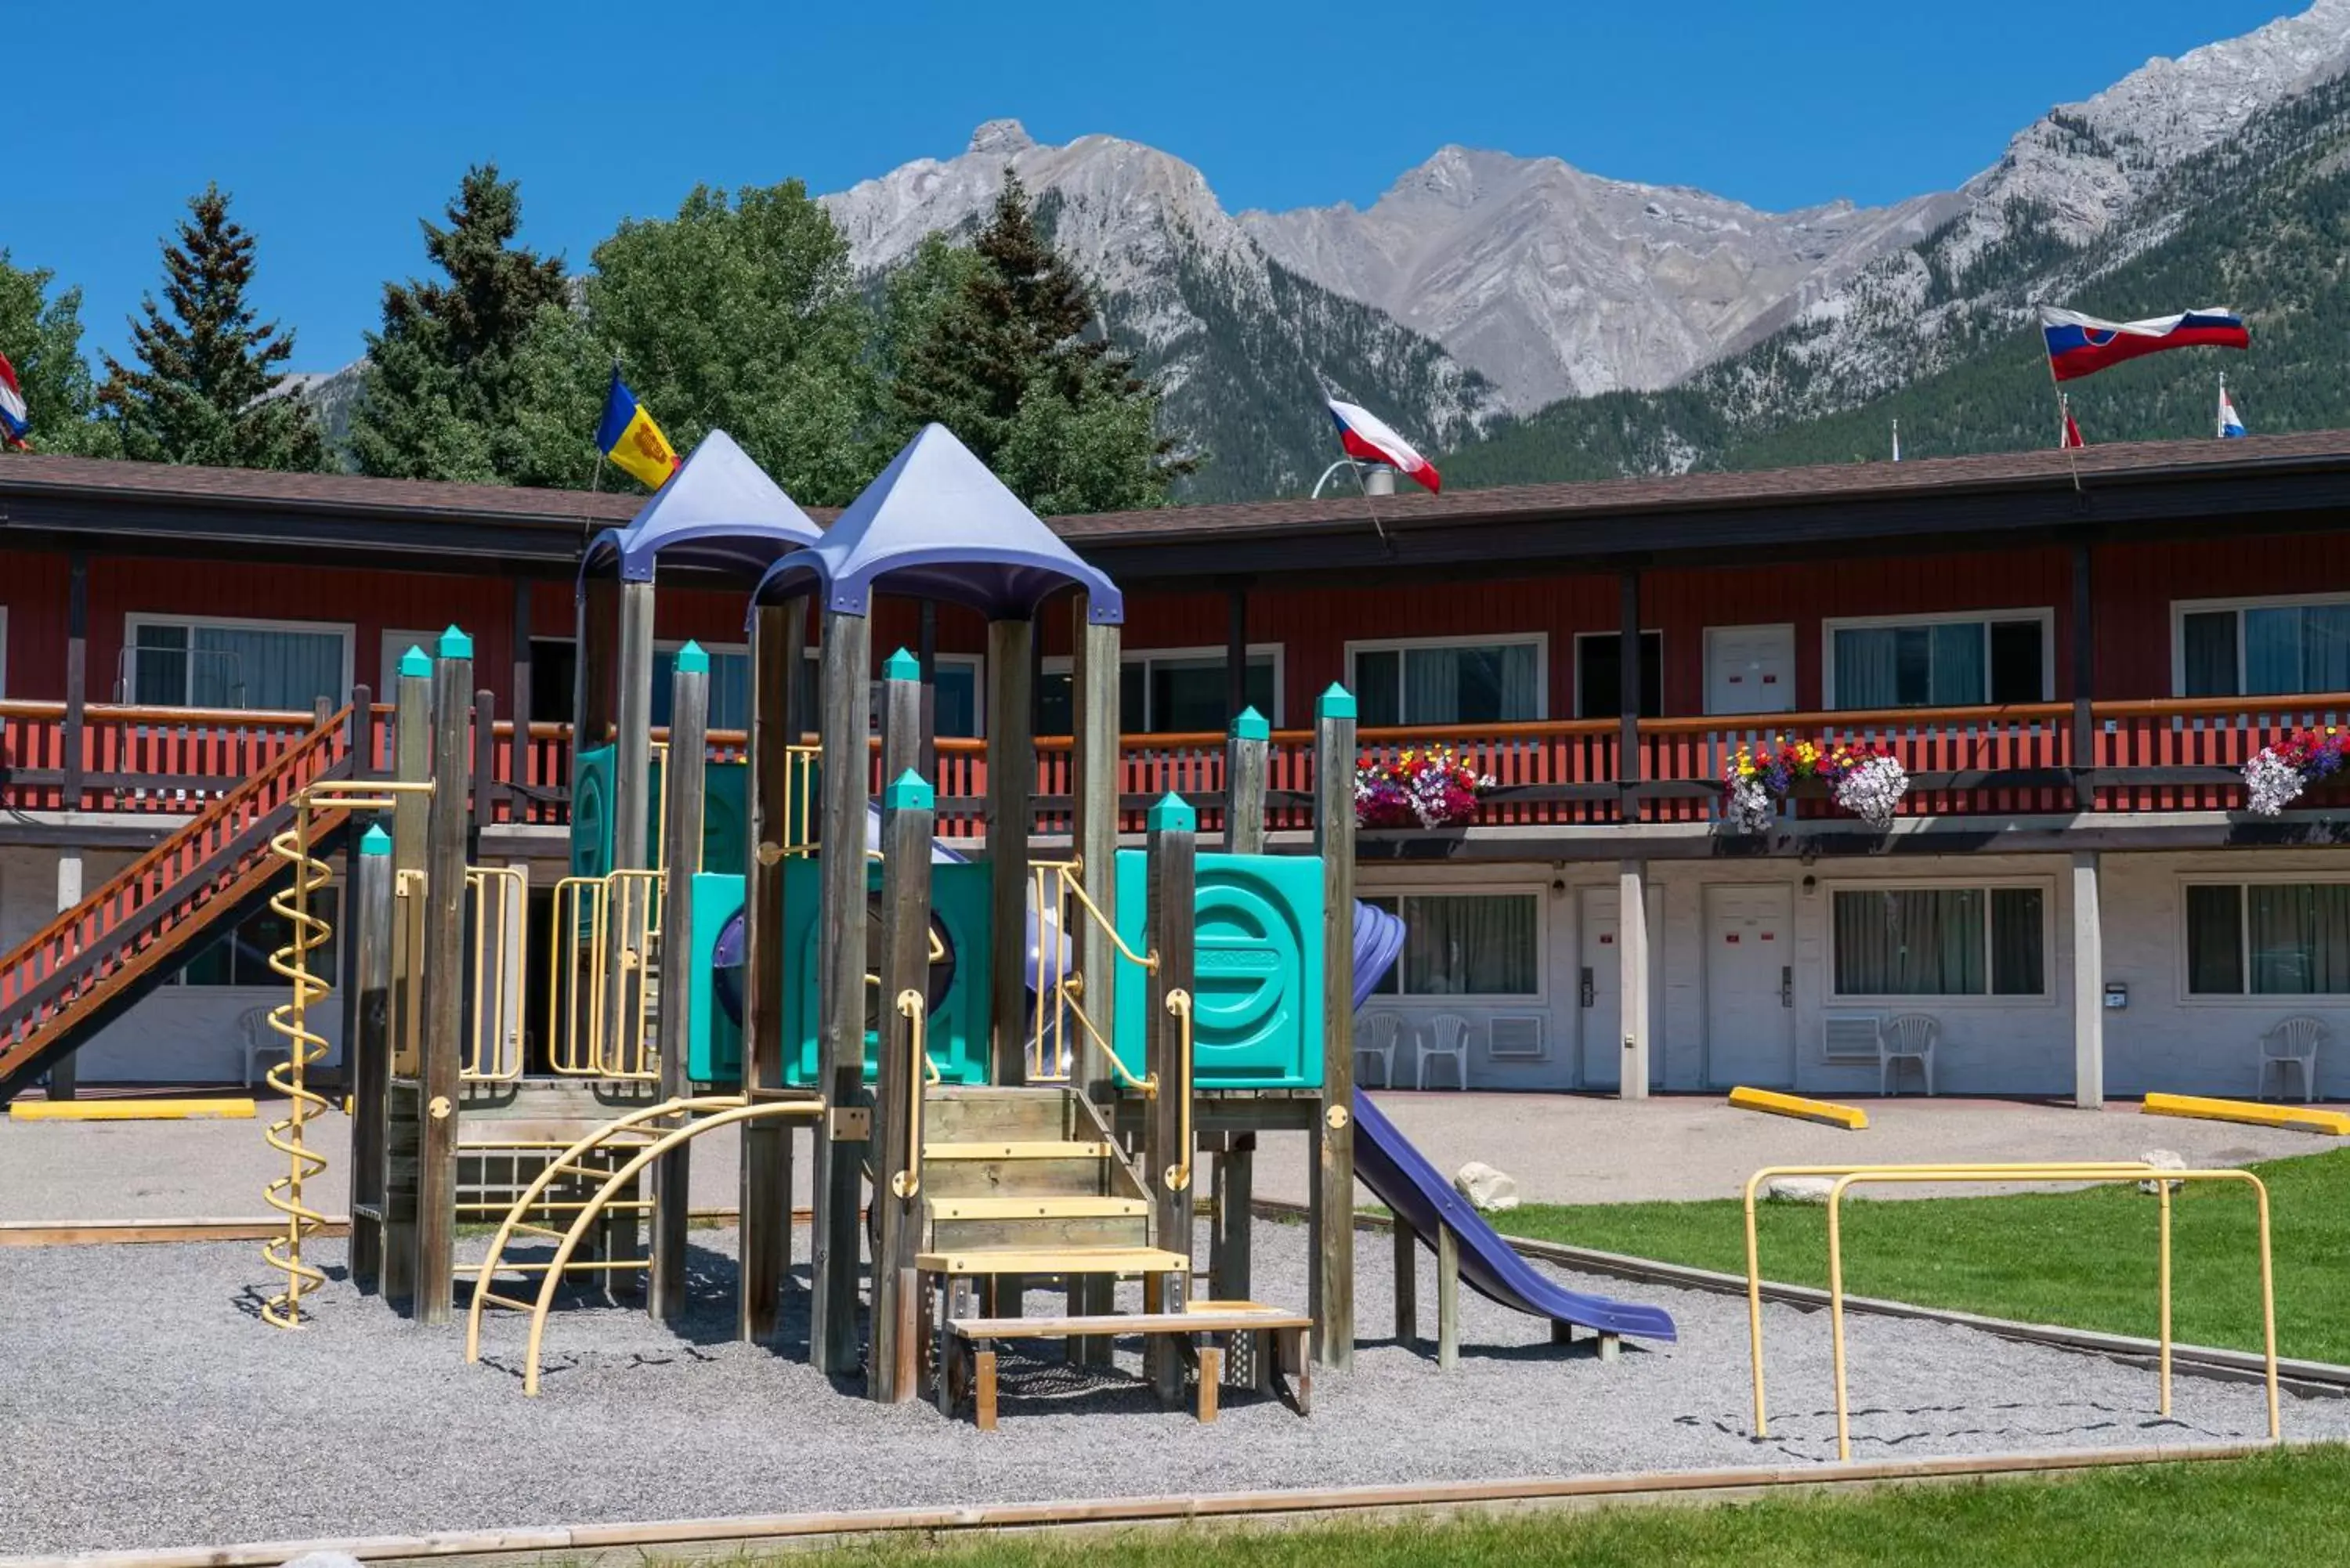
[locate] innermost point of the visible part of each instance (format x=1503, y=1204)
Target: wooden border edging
x=136, y=1232
x=587, y=1543
x=2299, y=1376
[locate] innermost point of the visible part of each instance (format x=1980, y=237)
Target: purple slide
x=1401, y=1176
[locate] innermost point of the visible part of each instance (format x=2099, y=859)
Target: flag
x=15, y=418
x=2071, y=435
x=630, y=438
x=1367, y=439
x=2079, y=345
x=2230, y=425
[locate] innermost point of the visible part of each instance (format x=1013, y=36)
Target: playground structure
x=1023, y=1058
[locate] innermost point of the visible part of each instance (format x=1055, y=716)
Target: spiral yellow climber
x=307, y=933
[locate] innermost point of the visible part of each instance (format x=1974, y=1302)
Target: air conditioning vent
x=1517, y=1035
x=1849, y=1037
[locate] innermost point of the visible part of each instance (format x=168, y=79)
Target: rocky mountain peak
x=1000, y=139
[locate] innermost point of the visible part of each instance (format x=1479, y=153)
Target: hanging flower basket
x=1423, y=787
x=1863, y=780
x=2277, y=773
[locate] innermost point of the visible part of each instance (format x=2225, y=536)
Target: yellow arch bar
x=1852, y=1119
x=232, y=1109
x=2300, y=1118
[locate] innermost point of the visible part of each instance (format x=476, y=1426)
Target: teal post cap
x=910, y=791
x=1336, y=704
x=456, y=644
x=902, y=665
x=693, y=660
x=1172, y=813
x=375, y=841
x=1250, y=726
x=415, y=661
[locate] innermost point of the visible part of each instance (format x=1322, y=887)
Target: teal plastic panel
x=1257, y=995
x=959, y=982
x=724, y=813
x=591, y=812
x=714, y=1049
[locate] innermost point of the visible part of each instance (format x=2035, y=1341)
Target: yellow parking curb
x=228, y=1110
x=2300, y=1118
x=1852, y=1119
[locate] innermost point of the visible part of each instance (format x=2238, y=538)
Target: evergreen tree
x=41, y=335
x=209, y=387
x=1004, y=347
x=438, y=400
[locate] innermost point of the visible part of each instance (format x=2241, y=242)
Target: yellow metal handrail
x=579, y=1051
x=1179, y=1176
x=1847, y=1176
x=914, y=1008
x=501, y=896
x=1062, y=991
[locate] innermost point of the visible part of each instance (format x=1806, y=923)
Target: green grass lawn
x=2274, y=1510
x=2083, y=1259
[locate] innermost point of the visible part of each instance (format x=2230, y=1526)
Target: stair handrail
x=1178, y=1175
x=325, y=737
x=914, y=1008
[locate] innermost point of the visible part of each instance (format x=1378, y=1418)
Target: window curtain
x=1472, y=946
x=2018, y=964
x=1910, y=941
x=2300, y=938
x=1909, y=666
x=2208, y=651
x=2297, y=648
x=1486, y=685
x=730, y=689
x=2215, y=940
x=258, y=666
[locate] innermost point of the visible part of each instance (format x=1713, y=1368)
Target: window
x=2260, y=648
x=1167, y=692
x=242, y=957
x=553, y=670
x=1955, y=662
x=1448, y=682
x=2268, y=939
x=1940, y=941
x=730, y=684
x=192, y=662
x=1466, y=944
x=957, y=709
x=1599, y=674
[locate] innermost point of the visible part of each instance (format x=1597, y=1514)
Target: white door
x=1750, y=1002
x=1599, y=983
x=1750, y=669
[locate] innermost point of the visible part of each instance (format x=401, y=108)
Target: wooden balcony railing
x=2170, y=754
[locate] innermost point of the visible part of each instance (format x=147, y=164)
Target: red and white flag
x=15, y=418
x=2071, y=435
x=1367, y=439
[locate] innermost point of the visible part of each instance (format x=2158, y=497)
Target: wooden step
x=1062, y=1208
x=986, y=1115
x=1189, y=1321
x=1053, y=1261
x=1041, y=1150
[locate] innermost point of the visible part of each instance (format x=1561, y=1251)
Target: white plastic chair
x=260, y=1040
x=2293, y=1043
x=1377, y=1037
x=1448, y=1037
x=1908, y=1038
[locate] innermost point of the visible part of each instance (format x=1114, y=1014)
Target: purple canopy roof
x=719, y=511
x=936, y=525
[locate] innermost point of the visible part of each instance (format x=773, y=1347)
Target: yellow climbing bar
x=1852, y=1119
x=235, y=1109
x=2300, y=1118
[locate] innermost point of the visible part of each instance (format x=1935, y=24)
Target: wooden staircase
x=82, y=970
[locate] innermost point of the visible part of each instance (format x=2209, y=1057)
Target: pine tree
x=438, y=400
x=1004, y=347
x=40, y=333
x=210, y=388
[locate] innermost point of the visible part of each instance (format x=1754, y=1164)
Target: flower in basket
x=1866, y=781
x=2279, y=772
x=1421, y=786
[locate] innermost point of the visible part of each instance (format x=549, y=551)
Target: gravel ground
x=145, y=1407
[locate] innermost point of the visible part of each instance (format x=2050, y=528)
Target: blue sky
x=335, y=128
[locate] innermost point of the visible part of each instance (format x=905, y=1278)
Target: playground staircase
x=1028, y=1181
x=82, y=970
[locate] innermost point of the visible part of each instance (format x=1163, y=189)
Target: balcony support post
x=2088, y=985
x=2085, y=680
x=1632, y=976
x=519, y=707
x=1235, y=651
x=63, y=1073
x=77, y=735
x=1627, y=693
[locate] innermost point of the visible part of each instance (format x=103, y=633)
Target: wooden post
x=1448, y=1298
x=368, y=932
x=688, y=754
x=404, y=1106
x=777, y=633
x=907, y=819
x=631, y=804
x=2088, y=985
x=76, y=758
x=1229, y=1261
x=1094, y=794
x=1011, y=782
x=1632, y=977
x=518, y=743
x=1332, y=1286
x=1406, y=1283
x=1167, y=1153
x=444, y=979
x=844, y=1139
x=901, y=717
x=1244, y=782
x=1627, y=693
x=2085, y=679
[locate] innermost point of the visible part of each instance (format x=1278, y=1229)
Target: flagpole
x=1897, y=441
x=2064, y=406
x=2219, y=414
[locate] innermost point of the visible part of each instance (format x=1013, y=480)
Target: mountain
x=2210, y=178
x=1242, y=344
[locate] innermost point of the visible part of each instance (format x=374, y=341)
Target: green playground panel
x=1257, y=984
x=960, y=984
x=723, y=812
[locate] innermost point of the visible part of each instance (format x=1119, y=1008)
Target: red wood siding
x=34, y=586
x=2137, y=585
